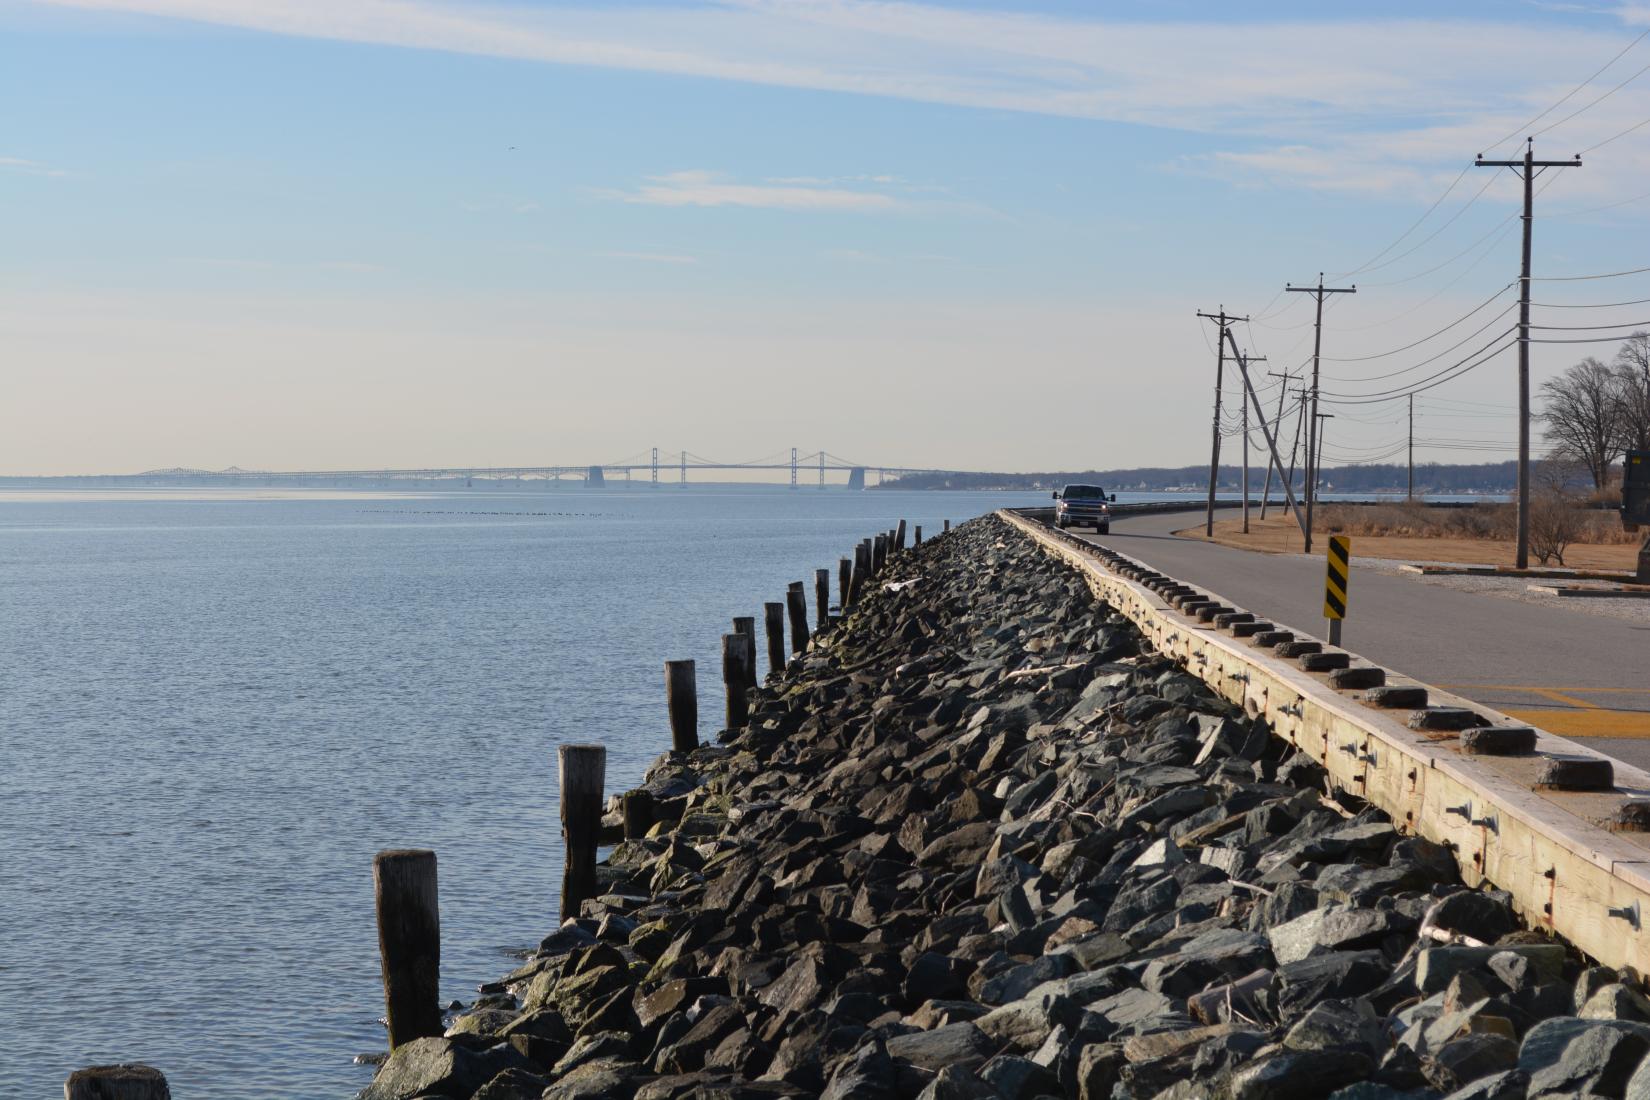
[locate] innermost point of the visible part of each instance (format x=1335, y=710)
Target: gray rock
x=959, y=1044
x=869, y=1075
x=1593, y=979
x=1026, y=1023
x=957, y=1083
x=596, y=1081
x=1437, y=965
x=1509, y=1085
x=1617, y=1002
x=1294, y=1075
x=1016, y=1078
x=1337, y=1025
x=438, y=1067
x=1462, y=1061
x=1564, y=1055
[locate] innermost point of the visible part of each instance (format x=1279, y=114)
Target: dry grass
x=1278, y=535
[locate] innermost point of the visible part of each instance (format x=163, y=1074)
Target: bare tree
x=1632, y=366
x=1583, y=411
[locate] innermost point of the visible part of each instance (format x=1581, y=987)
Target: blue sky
x=300, y=233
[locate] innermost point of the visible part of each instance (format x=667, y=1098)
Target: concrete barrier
x=1563, y=855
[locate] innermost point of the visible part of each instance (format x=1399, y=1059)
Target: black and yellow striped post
x=1334, y=585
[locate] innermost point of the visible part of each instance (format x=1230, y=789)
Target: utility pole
x=1411, y=494
x=1246, y=359
x=1317, y=461
x=1222, y=320
x=1526, y=169
x=1300, y=419
x=1312, y=426
x=1265, y=429
x=1283, y=394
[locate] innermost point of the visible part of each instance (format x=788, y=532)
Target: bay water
x=215, y=707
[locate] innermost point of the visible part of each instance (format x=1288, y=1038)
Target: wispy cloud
x=699, y=188
x=1296, y=102
x=650, y=257
x=22, y=166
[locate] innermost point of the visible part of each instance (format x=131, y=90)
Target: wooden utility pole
x=1312, y=426
x=1247, y=359
x=1410, y=495
x=1265, y=429
x=1526, y=169
x=1317, y=460
x=1283, y=394
x=1222, y=320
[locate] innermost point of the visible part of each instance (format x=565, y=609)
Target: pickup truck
x=1087, y=505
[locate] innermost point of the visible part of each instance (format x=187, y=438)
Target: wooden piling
x=129, y=1081
x=409, y=942
x=638, y=813
x=879, y=553
x=862, y=572
x=583, y=771
x=682, y=700
x=947, y=529
x=844, y=582
x=917, y=536
x=746, y=625
x=738, y=675
x=774, y=616
x=899, y=536
x=796, y=603
x=822, y=597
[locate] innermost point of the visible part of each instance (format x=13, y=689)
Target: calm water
x=214, y=711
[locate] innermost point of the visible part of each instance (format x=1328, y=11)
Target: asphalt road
x=1581, y=676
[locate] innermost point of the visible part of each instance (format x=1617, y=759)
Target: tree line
x=1595, y=411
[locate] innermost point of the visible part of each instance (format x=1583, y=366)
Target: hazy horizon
x=296, y=234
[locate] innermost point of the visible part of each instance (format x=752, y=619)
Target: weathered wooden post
x=917, y=536
x=682, y=700
x=638, y=813
x=774, y=614
x=796, y=603
x=844, y=582
x=862, y=571
x=879, y=553
x=583, y=775
x=822, y=597
x=738, y=676
x=899, y=536
x=129, y=1081
x=746, y=625
x=947, y=529
x=409, y=942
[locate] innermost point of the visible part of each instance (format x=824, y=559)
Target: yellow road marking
x=1527, y=687
x=1560, y=697
x=1587, y=723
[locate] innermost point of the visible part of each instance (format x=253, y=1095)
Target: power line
x=1467, y=339
x=1580, y=278
x=1429, y=336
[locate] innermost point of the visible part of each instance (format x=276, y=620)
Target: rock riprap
x=981, y=842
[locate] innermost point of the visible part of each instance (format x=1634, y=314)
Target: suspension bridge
x=652, y=467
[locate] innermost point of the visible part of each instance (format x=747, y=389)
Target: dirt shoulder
x=1277, y=534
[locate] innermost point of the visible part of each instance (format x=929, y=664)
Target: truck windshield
x=1083, y=492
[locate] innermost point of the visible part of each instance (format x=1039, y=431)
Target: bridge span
x=658, y=469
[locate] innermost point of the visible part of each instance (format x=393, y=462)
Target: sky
x=335, y=234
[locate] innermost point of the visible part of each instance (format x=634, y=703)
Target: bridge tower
x=793, y=467
x=856, y=478
x=822, y=469
x=655, y=467
x=684, y=469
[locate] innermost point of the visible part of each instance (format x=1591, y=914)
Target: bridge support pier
x=593, y=478
x=856, y=478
